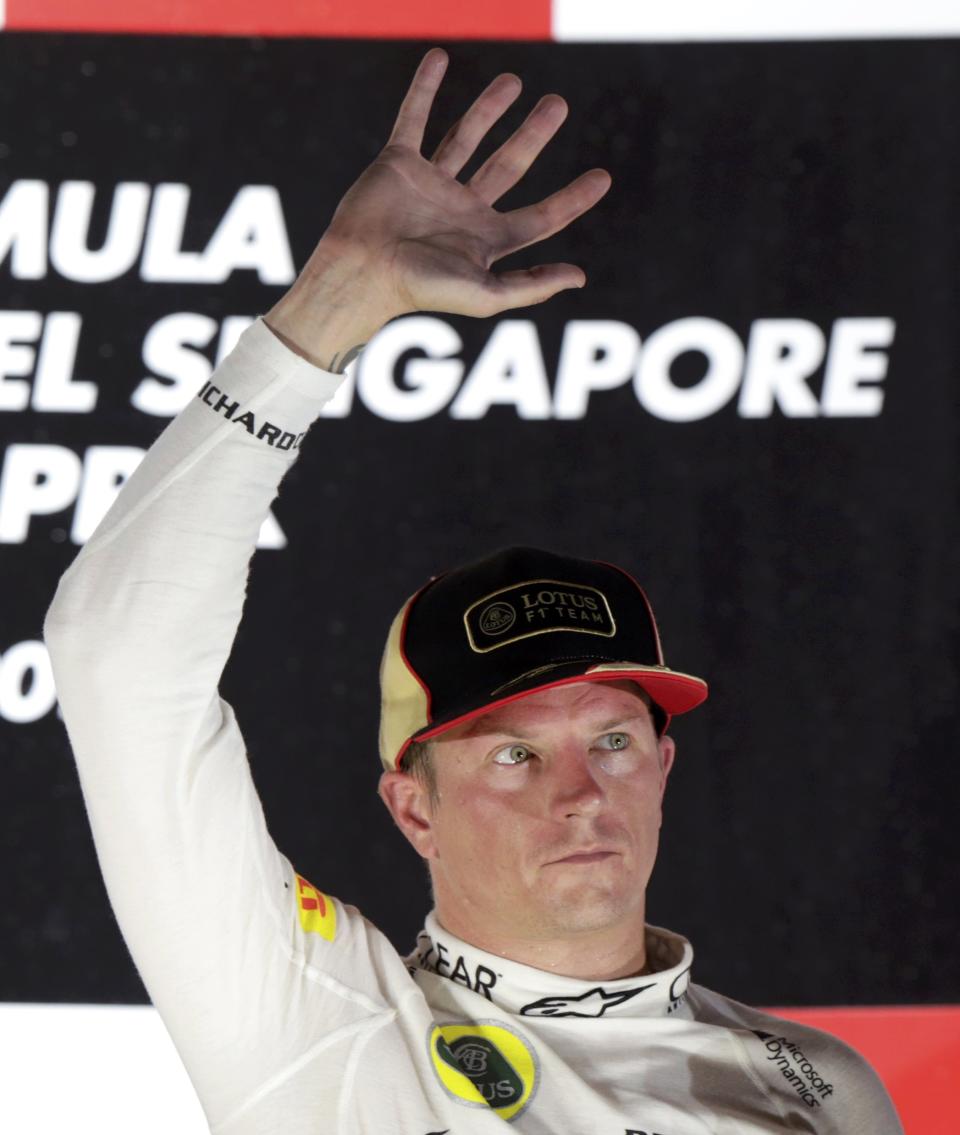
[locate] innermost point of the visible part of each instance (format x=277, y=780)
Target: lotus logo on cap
x=536, y=607
x=497, y=618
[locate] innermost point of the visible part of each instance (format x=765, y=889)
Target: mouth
x=598, y=855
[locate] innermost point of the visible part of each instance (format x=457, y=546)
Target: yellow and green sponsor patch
x=483, y=1064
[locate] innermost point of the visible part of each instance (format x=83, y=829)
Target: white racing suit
x=292, y=1014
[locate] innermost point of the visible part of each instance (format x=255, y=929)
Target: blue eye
x=512, y=755
x=615, y=741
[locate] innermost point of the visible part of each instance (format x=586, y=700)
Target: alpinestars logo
x=593, y=1003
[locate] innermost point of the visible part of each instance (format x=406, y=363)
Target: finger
x=504, y=168
x=415, y=108
x=462, y=139
x=536, y=222
x=524, y=286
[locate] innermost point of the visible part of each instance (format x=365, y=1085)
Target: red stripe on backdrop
x=361, y=19
x=915, y=1051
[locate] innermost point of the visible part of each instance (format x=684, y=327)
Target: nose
x=575, y=789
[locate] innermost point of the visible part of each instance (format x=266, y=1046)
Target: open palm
x=431, y=239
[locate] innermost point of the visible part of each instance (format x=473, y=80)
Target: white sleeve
x=139, y=632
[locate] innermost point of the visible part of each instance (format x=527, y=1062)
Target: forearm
x=177, y=542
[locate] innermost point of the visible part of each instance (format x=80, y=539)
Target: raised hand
x=408, y=236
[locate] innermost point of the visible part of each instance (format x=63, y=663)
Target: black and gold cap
x=518, y=621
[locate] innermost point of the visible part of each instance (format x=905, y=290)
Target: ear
x=408, y=801
x=668, y=750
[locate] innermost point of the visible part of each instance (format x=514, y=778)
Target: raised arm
x=144, y=619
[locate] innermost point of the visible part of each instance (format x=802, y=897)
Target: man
x=525, y=703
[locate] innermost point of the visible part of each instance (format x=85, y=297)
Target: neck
x=593, y=955
x=454, y=969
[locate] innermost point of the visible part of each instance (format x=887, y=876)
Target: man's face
x=548, y=816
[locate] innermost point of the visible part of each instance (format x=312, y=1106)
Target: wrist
x=320, y=348
x=332, y=310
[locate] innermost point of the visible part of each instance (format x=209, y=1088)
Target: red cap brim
x=673, y=691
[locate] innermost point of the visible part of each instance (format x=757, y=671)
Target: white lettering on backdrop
x=412, y=370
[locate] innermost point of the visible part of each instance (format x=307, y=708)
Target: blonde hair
x=417, y=762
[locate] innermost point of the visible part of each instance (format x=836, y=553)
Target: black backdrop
x=806, y=566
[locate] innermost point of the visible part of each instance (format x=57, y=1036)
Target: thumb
x=524, y=286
